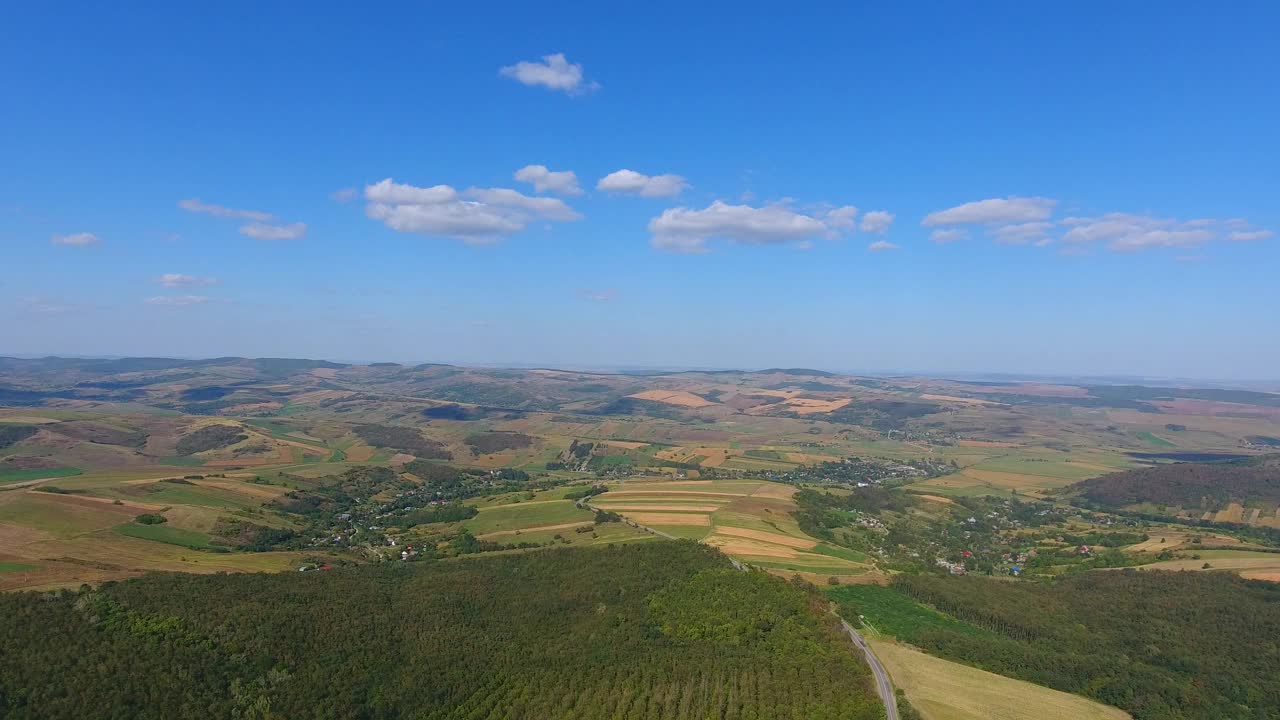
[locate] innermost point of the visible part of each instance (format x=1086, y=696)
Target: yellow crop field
x=675, y=507
x=768, y=537
x=944, y=690
x=673, y=397
x=646, y=518
x=748, y=519
x=1252, y=568
x=809, y=406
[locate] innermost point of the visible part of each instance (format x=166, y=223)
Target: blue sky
x=1086, y=188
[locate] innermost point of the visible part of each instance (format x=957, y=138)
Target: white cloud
x=83, y=239
x=263, y=231
x=390, y=192
x=553, y=73
x=1022, y=233
x=686, y=230
x=881, y=246
x=946, y=235
x=1248, y=235
x=561, y=182
x=1123, y=232
x=195, y=206
x=344, y=196
x=877, y=221
x=172, y=280
x=176, y=300
x=842, y=217
x=994, y=210
x=630, y=182
x=543, y=207
x=477, y=215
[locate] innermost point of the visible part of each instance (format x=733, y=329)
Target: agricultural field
x=944, y=690
x=748, y=520
x=1248, y=565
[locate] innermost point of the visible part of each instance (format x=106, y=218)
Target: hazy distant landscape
x=979, y=521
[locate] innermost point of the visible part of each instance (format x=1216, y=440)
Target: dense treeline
x=404, y=439
x=883, y=415
x=11, y=434
x=656, y=630
x=492, y=442
x=586, y=493
x=448, y=482
x=1188, y=485
x=340, y=493
x=437, y=514
x=210, y=437
x=100, y=432
x=1160, y=645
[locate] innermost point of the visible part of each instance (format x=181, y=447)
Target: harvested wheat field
x=674, y=494
x=705, y=456
x=769, y=537
x=956, y=399
x=809, y=406
x=673, y=397
x=624, y=444
x=670, y=519
x=671, y=507
x=937, y=498
x=732, y=546
x=1233, y=513
x=775, y=491
x=261, y=492
x=944, y=690
x=518, y=531
x=1256, y=568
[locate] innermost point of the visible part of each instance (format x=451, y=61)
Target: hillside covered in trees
x=655, y=630
x=1188, y=485
x=1161, y=645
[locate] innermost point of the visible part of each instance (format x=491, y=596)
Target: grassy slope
x=944, y=690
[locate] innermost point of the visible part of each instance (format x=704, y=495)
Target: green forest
x=1188, y=485
x=657, y=630
x=1161, y=645
x=210, y=437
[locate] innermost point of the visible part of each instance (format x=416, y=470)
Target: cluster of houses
x=861, y=471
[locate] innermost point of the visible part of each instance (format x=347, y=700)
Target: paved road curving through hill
x=883, y=685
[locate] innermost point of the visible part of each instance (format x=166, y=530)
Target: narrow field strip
x=521, y=531
x=670, y=519
x=768, y=537
x=679, y=508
